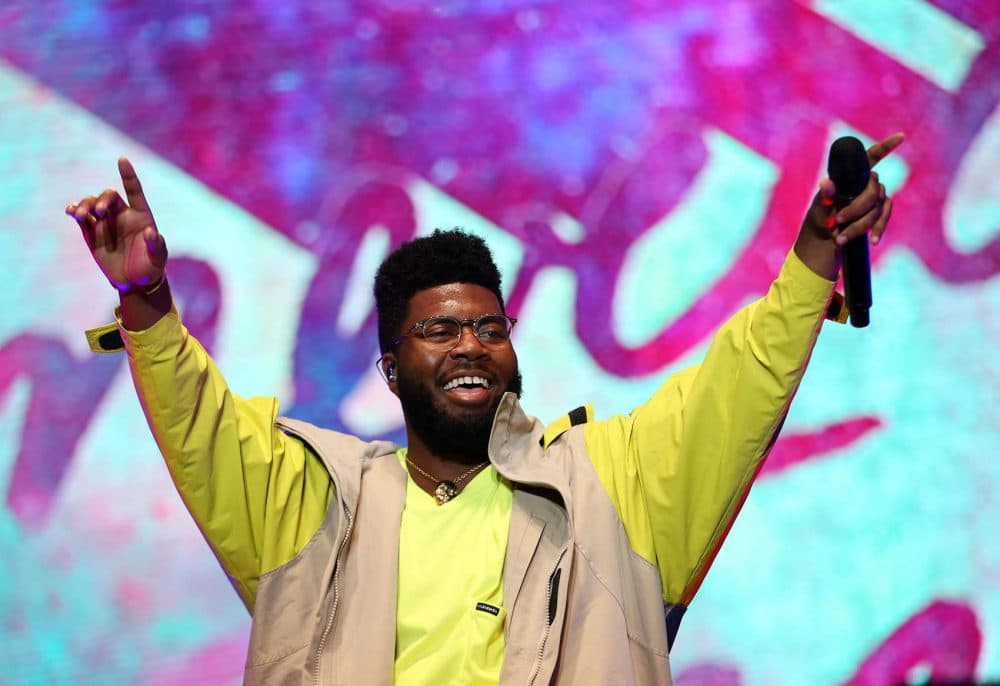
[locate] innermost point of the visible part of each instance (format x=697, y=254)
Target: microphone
x=849, y=170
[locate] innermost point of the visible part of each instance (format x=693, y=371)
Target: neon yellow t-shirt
x=449, y=612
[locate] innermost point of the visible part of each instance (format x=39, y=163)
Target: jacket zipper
x=336, y=596
x=550, y=617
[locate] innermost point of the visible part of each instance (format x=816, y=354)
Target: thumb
x=156, y=247
x=827, y=193
x=823, y=213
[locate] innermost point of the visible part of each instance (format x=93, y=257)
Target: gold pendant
x=445, y=491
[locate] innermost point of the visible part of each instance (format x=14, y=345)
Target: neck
x=443, y=468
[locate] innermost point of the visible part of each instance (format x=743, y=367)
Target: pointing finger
x=133, y=189
x=878, y=151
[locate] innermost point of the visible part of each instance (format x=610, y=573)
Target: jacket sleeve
x=257, y=494
x=679, y=467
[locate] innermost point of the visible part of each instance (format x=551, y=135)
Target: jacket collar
x=516, y=452
x=346, y=474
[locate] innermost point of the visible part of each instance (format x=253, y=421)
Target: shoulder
x=555, y=430
x=334, y=446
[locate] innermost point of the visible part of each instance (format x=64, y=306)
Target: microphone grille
x=848, y=166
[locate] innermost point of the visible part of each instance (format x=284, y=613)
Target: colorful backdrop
x=640, y=168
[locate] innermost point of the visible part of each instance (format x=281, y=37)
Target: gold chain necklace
x=446, y=490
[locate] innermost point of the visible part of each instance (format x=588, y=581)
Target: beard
x=458, y=436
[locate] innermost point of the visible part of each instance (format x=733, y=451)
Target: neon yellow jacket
x=631, y=511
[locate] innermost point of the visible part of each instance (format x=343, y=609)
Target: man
x=491, y=549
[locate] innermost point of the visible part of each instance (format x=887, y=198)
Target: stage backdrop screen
x=640, y=169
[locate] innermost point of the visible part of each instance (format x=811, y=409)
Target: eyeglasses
x=492, y=330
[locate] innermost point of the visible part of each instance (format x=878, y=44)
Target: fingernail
x=875, y=239
x=826, y=201
x=841, y=239
x=831, y=222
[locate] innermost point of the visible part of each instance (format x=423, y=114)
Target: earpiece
x=390, y=372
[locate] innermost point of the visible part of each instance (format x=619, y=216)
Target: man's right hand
x=122, y=236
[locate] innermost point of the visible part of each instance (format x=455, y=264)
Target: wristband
x=149, y=290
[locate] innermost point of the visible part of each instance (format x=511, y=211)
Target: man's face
x=453, y=423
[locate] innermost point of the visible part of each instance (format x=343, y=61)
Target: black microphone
x=849, y=170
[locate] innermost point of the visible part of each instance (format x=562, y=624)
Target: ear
x=387, y=368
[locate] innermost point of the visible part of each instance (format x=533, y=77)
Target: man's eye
x=492, y=329
x=439, y=332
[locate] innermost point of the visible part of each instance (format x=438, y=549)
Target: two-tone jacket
x=613, y=527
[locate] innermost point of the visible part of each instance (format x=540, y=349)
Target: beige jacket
x=583, y=608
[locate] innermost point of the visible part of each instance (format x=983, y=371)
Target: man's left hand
x=826, y=228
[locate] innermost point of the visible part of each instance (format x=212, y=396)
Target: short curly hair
x=444, y=257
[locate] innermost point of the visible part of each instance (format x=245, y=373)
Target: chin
x=455, y=433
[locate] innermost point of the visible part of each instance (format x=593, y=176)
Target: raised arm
x=679, y=466
x=256, y=494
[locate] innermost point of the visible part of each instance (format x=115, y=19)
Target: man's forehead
x=457, y=299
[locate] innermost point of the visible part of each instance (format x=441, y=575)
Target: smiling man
x=454, y=360
x=491, y=549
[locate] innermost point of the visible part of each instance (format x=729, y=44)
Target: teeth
x=467, y=381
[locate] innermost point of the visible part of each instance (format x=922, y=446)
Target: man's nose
x=468, y=343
